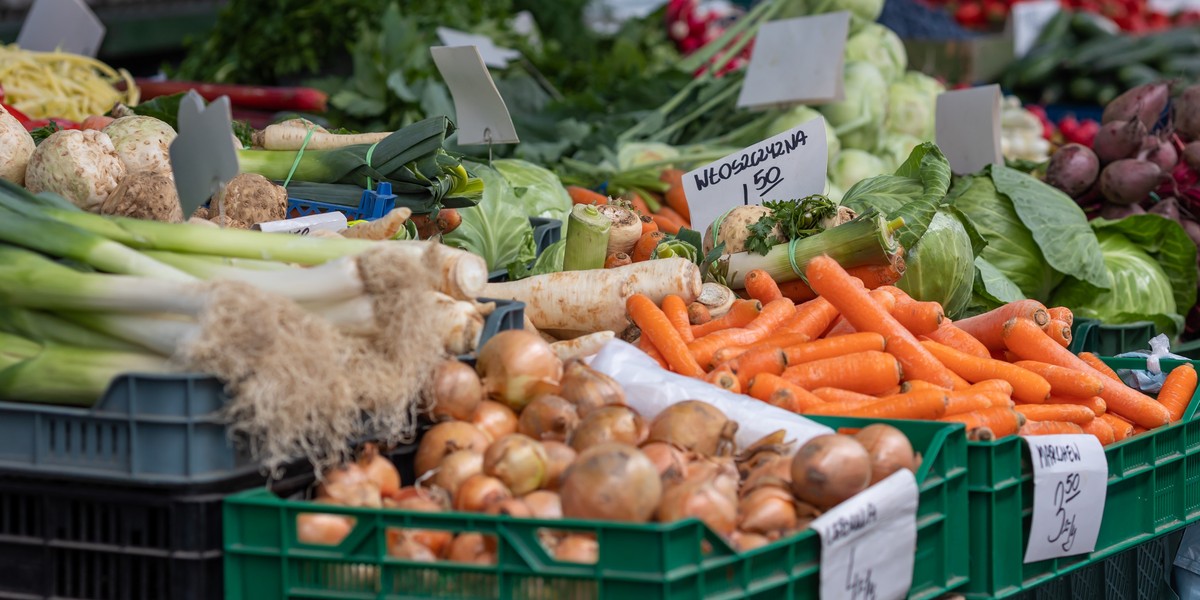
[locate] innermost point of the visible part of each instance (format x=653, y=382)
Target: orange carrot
x=758, y=361
x=771, y=317
x=998, y=421
x=920, y=318
x=917, y=384
x=1027, y=386
x=829, y=348
x=988, y=328
x=667, y=211
x=667, y=224
x=830, y=280
x=994, y=385
x=644, y=249
x=648, y=347
x=1029, y=342
x=1065, y=381
x=1059, y=331
x=764, y=385
x=1102, y=430
x=1178, y=389
x=874, y=276
x=761, y=286
x=811, y=318
x=950, y=335
x=868, y=372
x=676, y=310
x=1061, y=313
x=1139, y=429
x=1071, y=413
x=839, y=396
x=724, y=378
x=797, y=290
x=617, y=259
x=698, y=314
x=655, y=324
x=1121, y=428
x=675, y=198
x=648, y=224
x=1095, y=404
x=778, y=340
x=1094, y=362
x=924, y=405
x=1049, y=428
x=582, y=195
x=966, y=401
x=640, y=207
x=739, y=315
x=840, y=327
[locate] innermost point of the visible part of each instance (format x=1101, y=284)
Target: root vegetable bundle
x=877, y=353
x=529, y=437
x=317, y=340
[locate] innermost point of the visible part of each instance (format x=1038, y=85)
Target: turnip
x=1073, y=169
x=1161, y=152
x=1115, y=212
x=1167, y=207
x=81, y=166
x=1118, y=139
x=145, y=195
x=16, y=146
x=143, y=143
x=1144, y=102
x=1129, y=181
x=1186, y=111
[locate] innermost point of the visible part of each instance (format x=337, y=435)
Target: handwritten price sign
x=1070, y=482
x=868, y=542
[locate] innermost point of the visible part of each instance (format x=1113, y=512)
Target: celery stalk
x=587, y=239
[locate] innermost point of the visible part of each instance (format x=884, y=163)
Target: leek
x=43, y=327
x=867, y=240
x=60, y=374
x=587, y=239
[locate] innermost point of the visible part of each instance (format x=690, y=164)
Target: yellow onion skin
x=518, y=366
x=613, y=482
x=589, y=389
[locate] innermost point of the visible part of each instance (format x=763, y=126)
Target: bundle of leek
x=423, y=175
x=312, y=355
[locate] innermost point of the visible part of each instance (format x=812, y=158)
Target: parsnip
x=594, y=300
x=380, y=229
x=585, y=345
x=290, y=135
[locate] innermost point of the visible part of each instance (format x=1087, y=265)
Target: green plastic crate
x=1090, y=335
x=1140, y=573
x=264, y=561
x=1153, y=488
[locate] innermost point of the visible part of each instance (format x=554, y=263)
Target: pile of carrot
x=878, y=353
x=666, y=212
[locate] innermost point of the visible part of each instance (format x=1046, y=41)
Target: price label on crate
x=968, y=128
x=1070, y=483
x=333, y=220
x=493, y=55
x=202, y=156
x=797, y=61
x=869, y=542
x=482, y=115
x=1028, y=20
x=788, y=166
x=68, y=25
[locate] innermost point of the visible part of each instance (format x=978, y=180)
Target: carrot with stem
x=988, y=327
x=1031, y=428
x=997, y=421
x=1071, y=413
x=676, y=310
x=1065, y=381
x=1027, y=386
x=869, y=372
x=765, y=385
x=740, y=314
x=761, y=286
x=1102, y=430
x=1029, y=342
x=1178, y=389
x=655, y=324
x=831, y=281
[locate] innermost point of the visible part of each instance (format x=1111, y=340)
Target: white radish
x=594, y=300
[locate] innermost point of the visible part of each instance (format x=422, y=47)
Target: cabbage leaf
x=992, y=288
x=536, y=191
x=497, y=228
x=940, y=267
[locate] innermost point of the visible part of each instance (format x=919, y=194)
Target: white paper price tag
x=203, y=158
x=788, y=166
x=797, y=61
x=493, y=55
x=1070, y=484
x=1028, y=20
x=66, y=24
x=482, y=116
x=968, y=128
x=334, y=221
x=869, y=542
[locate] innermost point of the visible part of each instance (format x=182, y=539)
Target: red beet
x=1167, y=207
x=1073, y=169
x=1118, y=139
x=1161, y=152
x=1144, y=102
x=1191, y=154
x=1129, y=181
x=1114, y=212
x=1186, y=110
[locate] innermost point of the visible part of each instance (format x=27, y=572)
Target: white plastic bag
x=1149, y=381
x=649, y=389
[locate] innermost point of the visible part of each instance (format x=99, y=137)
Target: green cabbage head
x=852, y=166
x=800, y=115
x=941, y=265
x=879, y=46
x=912, y=104
x=858, y=120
